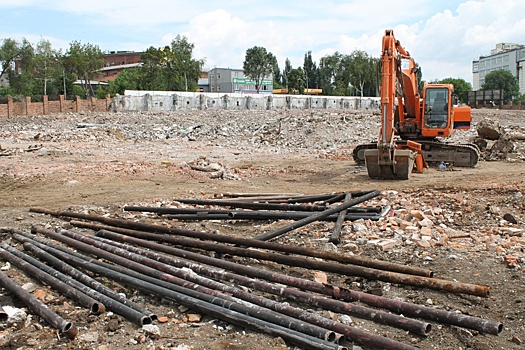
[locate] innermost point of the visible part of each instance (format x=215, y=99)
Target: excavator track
x=434, y=152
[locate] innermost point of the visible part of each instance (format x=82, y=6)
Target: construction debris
x=453, y=229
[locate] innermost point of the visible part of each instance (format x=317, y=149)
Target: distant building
x=116, y=62
x=507, y=56
x=233, y=80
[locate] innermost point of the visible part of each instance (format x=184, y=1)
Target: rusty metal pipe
x=75, y=240
x=355, y=334
x=286, y=214
x=405, y=308
x=414, y=326
x=346, y=259
x=116, y=303
x=350, y=270
x=55, y=280
x=251, y=205
x=338, y=197
x=41, y=309
x=334, y=238
x=317, y=216
x=266, y=215
x=207, y=305
x=30, y=241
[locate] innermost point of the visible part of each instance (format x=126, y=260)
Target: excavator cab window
x=436, y=108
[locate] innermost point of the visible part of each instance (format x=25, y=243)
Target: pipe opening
x=69, y=330
x=428, y=328
x=331, y=337
x=145, y=320
x=98, y=308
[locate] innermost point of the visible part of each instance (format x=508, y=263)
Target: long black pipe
x=207, y=305
x=401, y=307
x=266, y=215
x=414, y=326
x=191, y=280
x=28, y=265
x=359, y=336
x=106, y=295
x=265, y=314
x=202, y=211
x=140, y=317
x=245, y=242
x=41, y=309
x=335, y=236
x=350, y=270
x=317, y=216
x=251, y=205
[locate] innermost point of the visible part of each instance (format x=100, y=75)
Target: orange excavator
x=412, y=125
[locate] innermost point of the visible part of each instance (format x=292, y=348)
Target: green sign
x=247, y=81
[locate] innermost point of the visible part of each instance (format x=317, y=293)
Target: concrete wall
x=170, y=101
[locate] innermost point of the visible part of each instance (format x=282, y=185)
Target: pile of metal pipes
x=279, y=207
x=170, y=269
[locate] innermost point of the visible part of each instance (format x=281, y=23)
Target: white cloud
x=443, y=37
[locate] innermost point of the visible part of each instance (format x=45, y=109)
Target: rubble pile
x=467, y=234
x=500, y=143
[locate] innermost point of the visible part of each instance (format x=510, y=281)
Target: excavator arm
x=399, y=97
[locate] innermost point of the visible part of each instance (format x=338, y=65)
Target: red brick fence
x=28, y=108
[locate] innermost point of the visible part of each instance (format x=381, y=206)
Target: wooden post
x=77, y=104
x=61, y=103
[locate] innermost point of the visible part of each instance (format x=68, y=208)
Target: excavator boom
x=388, y=160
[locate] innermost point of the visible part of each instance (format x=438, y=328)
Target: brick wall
x=12, y=109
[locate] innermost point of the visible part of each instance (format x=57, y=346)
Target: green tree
x=46, y=67
x=331, y=72
x=16, y=60
x=286, y=72
x=461, y=87
x=276, y=73
x=85, y=60
x=180, y=57
x=296, y=80
x=128, y=79
x=311, y=72
x=153, y=69
x=12, y=51
x=502, y=79
x=258, y=64
x=63, y=84
x=360, y=71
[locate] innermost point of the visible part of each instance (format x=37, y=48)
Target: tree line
x=35, y=70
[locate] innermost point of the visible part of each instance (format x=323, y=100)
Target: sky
x=443, y=37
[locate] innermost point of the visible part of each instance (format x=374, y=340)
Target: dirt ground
x=99, y=163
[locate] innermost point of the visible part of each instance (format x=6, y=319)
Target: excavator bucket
x=400, y=170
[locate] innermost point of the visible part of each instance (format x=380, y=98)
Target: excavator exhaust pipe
x=399, y=170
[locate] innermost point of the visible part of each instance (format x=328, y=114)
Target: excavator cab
x=437, y=111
